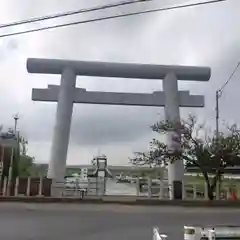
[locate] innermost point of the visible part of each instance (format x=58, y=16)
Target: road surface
x=102, y=222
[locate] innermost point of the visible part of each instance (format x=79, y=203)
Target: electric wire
x=109, y=17
x=70, y=13
x=229, y=79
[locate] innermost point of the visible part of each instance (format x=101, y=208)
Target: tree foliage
x=26, y=166
x=197, y=148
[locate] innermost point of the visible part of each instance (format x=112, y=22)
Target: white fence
x=157, y=235
x=204, y=233
x=91, y=187
x=189, y=191
x=73, y=189
x=95, y=187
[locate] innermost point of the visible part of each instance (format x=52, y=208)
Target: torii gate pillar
x=57, y=164
x=172, y=114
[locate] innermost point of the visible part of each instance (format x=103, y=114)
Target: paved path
x=114, y=188
x=97, y=222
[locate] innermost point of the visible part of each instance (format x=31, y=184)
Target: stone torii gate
x=67, y=94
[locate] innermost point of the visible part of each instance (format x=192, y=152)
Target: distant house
x=8, y=149
x=8, y=140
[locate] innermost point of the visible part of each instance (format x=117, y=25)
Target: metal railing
x=189, y=191
x=157, y=235
x=76, y=189
x=93, y=187
x=204, y=233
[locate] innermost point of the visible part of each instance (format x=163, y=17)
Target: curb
x=126, y=201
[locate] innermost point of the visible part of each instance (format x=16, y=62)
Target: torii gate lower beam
x=80, y=95
x=67, y=94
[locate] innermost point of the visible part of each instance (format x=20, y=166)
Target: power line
x=109, y=17
x=218, y=96
x=229, y=79
x=70, y=13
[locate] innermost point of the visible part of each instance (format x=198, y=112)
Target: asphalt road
x=103, y=222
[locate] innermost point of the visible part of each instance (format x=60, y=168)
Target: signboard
x=102, y=165
x=84, y=173
x=101, y=174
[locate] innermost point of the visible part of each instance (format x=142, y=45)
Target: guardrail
x=71, y=189
x=81, y=188
x=189, y=191
x=204, y=233
x=94, y=187
x=157, y=235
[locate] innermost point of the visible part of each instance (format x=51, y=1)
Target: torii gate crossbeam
x=155, y=99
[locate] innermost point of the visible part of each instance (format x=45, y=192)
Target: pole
x=2, y=165
x=10, y=170
x=217, y=114
x=218, y=95
x=15, y=123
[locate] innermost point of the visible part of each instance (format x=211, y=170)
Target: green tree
x=26, y=163
x=25, y=166
x=210, y=155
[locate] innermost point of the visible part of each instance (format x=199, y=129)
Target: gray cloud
x=206, y=35
x=112, y=125
x=94, y=125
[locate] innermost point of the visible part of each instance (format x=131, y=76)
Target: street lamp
x=16, y=118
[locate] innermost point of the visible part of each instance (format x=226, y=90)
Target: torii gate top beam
x=118, y=70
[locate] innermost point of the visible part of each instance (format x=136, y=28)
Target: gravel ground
x=109, y=222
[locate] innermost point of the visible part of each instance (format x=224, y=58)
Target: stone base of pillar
x=57, y=189
x=177, y=190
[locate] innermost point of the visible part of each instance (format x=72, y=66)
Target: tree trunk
x=216, y=179
x=211, y=185
x=210, y=189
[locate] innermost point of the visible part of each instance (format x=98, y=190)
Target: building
x=9, y=153
x=115, y=170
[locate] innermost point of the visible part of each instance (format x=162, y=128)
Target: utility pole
x=218, y=94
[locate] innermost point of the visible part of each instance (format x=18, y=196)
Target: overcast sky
x=208, y=35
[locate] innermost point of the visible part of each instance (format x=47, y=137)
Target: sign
x=84, y=173
x=101, y=174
